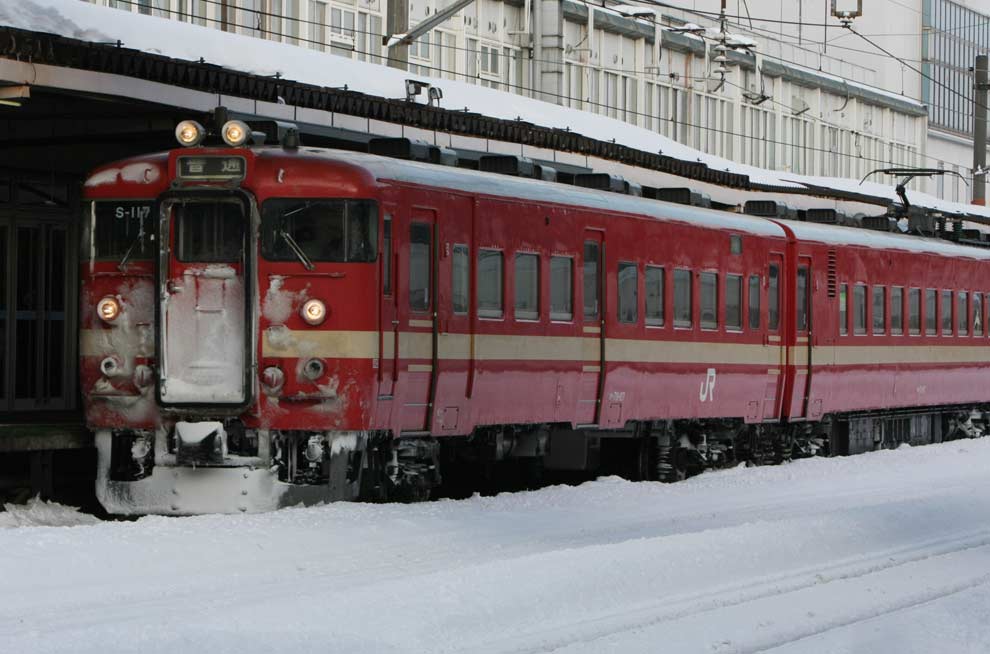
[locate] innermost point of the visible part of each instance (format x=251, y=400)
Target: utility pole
x=980, y=131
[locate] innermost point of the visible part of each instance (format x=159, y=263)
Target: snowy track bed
x=883, y=552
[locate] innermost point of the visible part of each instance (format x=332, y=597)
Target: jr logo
x=707, y=392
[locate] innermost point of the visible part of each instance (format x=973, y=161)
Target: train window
x=931, y=312
x=561, y=288
x=962, y=313
x=879, y=310
x=733, y=301
x=946, y=302
x=527, y=286
x=773, y=298
x=654, y=296
x=977, y=314
x=122, y=228
x=897, y=310
x=709, y=300
x=592, y=287
x=459, y=283
x=387, y=256
x=802, y=299
x=754, y=301
x=914, y=311
x=859, y=309
x=844, y=309
x=334, y=231
x=420, y=238
x=209, y=231
x=490, y=283
x=682, y=298
x=628, y=293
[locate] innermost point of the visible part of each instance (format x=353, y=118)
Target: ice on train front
x=194, y=406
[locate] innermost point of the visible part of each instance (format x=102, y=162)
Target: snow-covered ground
x=884, y=552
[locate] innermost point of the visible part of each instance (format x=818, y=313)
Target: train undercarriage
x=223, y=467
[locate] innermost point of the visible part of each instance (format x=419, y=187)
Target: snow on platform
x=882, y=552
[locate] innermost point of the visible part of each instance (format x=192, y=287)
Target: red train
x=263, y=326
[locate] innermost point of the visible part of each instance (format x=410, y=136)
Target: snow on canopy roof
x=460, y=179
x=81, y=20
x=857, y=236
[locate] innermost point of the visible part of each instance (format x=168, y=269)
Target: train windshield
x=337, y=231
x=119, y=231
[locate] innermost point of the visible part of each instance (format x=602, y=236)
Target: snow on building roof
x=191, y=42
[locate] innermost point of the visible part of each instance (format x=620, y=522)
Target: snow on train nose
x=200, y=443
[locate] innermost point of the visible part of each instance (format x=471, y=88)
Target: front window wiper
x=291, y=242
x=139, y=239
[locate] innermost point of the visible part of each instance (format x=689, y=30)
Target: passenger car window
x=859, y=309
x=946, y=302
x=527, y=281
x=654, y=296
x=801, y=305
x=733, y=301
x=879, y=310
x=490, y=283
x=897, y=310
x=754, y=301
x=420, y=238
x=773, y=298
x=977, y=314
x=682, y=298
x=592, y=286
x=628, y=304
x=459, y=283
x=914, y=311
x=561, y=288
x=844, y=309
x=962, y=313
x=709, y=300
x=931, y=312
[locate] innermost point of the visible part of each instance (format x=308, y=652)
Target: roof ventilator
x=507, y=164
x=414, y=150
x=684, y=196
x=607, y=182
x=770, y=209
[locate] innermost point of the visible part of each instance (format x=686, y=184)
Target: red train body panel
x=459, y=304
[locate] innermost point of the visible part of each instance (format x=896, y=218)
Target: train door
x=776, y=373
x=593, y=328
x=417, y=318
x=388, y=317
x=454, y=318
x=801, y=350
x=205, y=333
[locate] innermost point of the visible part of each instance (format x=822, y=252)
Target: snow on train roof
x=192, y=42
x=460, y=179
x=858, y=236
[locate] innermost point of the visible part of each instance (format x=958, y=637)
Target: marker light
x=235, y=133
x=314, y=312
x=189, y=133
x=108, y=309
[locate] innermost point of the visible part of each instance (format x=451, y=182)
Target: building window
x=682, y=298
x=709, y=300
x=318, y=25
x=490, y=283
x=527, y=286
x=628, y=304
x=561, y=288
x=654, y=296
x=460, y=283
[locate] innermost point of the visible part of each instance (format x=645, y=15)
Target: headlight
x=108, y=309
x=189, y=133
x=314, y=312
x=235, y=133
